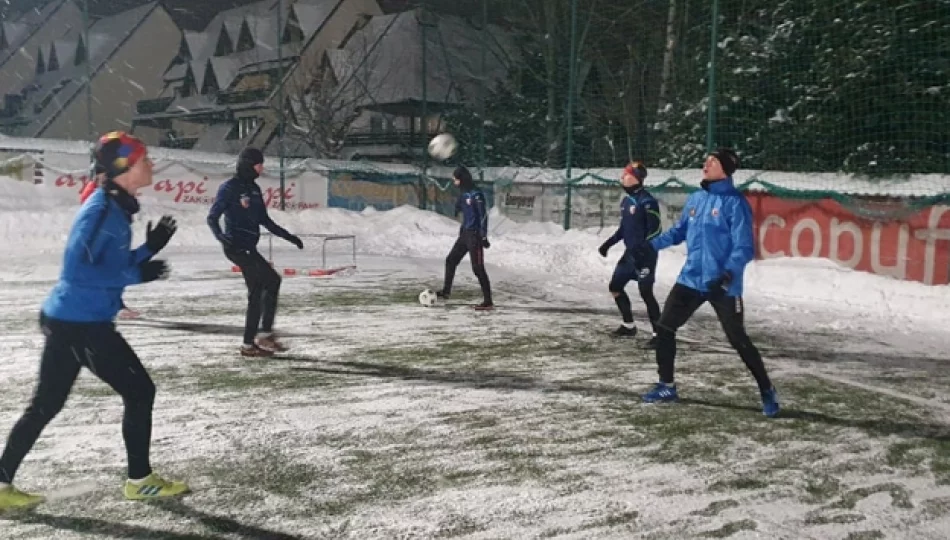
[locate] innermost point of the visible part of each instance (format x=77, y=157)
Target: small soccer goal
x=323, y=255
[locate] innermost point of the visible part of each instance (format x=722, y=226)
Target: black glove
x=485, y=243
x=295, y=240
x=156, y=239
x=152, y=270
x=604, y=248
x=717, y=287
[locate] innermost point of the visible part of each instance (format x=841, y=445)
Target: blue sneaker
x=770, y=405
x=663, y=393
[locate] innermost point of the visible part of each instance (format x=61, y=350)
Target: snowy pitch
x=390, y=420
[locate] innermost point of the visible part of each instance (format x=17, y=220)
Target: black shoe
x=484, y=306
x=624, y=331
x=652, y=343
x=441, y=295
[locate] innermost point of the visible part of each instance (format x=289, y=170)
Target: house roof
x=311, y=14
x=13, y=32
x=65, y=51
x=27, y=25
x=196, y=41
x=381, y=64
x=225, y=69
x=105, y=38
x=261, y=20
x=176, y=72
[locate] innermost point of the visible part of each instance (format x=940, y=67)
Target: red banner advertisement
x=180, y=186
x=915, y=246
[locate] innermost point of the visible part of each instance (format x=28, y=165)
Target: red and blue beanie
x=636, y=169
x=117, y=151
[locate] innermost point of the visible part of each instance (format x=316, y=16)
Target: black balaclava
x=246, y=161
x=466, y=182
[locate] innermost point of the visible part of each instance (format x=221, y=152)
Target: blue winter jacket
x=98, y=263
x=639, y=220
x=717, y=226
x=474, y=213
x=242, y=204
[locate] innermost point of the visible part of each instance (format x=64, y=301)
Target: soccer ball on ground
x=443, y=146
x=427, y=298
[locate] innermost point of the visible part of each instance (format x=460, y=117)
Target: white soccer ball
x=443, y=146
x=428, y=298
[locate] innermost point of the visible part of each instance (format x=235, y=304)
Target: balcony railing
x=152, y=106
x=185, y=143
x=388, y=138
x=243, y=96
x=14, y=121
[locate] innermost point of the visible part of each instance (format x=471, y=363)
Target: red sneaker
x=253, y=351
x=270, y=343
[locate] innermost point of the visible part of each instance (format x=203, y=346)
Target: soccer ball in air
x=427, y=298
x=443, y=146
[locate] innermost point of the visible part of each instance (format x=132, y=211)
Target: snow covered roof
x=53, y=89
x=176, y=72
x=196, y=42
x=225, y=68
x=311, y=14
x=29, y=23
x=13, y=33
x=260, y=19
x=382, y=62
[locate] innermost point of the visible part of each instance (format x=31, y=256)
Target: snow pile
x=34, y=221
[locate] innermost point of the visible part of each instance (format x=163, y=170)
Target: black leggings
x=98, y=347
x=680, y=306
x=469, y=242
x=263, y=288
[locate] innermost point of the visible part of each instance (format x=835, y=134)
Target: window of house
x=53, y=63
x=245, y=39
x=210, y=84
x=224, y=46
x=292, y=31
x=80, y=53
x=40, y=63
x=246, y=126
x=184, y=53
x=431, y=124
x=376, y=124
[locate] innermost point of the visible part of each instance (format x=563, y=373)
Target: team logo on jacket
x=246, y=201
x=715, y=212
x=692, y=212
x=468, y=201
x=633, y=209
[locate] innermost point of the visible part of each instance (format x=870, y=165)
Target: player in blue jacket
x=78, y=320
x=473, y=237
x=639, y=223
x=241, y=203
x=717, y=226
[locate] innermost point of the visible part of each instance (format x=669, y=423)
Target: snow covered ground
x=389, y=420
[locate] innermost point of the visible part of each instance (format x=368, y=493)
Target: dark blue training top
x=242, y=204
x=639, y=220
x=472, y=205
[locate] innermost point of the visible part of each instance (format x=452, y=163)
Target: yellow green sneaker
x=153, y=486
x=12, y=498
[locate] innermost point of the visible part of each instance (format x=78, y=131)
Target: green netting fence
x=839, y=99
x=822, y=99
